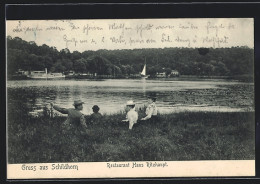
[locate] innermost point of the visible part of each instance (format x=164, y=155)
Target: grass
x=175, y=137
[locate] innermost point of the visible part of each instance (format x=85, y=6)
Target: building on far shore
x=69, y=73
x=161, y=75
x=22, y=72
x=19, y=75
x=174, y=73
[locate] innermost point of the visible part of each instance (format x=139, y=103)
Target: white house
x=161, y=74
x=174, y=73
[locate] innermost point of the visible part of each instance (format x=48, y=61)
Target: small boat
x=143, y=73
x=45, y=75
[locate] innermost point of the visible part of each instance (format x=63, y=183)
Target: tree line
x=188, y=61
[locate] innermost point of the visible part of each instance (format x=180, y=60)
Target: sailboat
x=143, y=73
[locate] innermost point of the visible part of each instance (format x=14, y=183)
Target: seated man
x=75, y=118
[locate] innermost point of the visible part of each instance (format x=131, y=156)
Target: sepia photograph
x=130, y=94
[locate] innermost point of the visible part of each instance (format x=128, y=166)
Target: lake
x=111, y=95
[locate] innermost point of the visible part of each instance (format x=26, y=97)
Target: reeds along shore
x=175, y=137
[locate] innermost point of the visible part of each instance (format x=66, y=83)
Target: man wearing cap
x=74, y=129
x=151, y=110
x=131, y=115
x=75, y=118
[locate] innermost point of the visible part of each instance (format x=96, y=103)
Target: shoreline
x=245, y=78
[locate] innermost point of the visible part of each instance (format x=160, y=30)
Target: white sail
x=144, y=70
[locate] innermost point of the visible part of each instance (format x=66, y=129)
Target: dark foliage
x=188, y=61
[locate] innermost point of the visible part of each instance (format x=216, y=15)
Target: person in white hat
x=75, y=117
x=132, y=115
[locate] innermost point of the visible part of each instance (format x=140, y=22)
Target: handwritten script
x=128, y=34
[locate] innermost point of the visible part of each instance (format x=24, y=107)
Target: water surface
x=111, y=94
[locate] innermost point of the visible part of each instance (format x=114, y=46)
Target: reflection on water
x=111, y=95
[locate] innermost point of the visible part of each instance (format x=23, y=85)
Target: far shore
x=243, y=78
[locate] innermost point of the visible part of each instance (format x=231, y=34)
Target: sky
x=110, y=34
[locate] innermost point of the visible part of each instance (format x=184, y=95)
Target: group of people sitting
x=132, y=115
x=76, y=118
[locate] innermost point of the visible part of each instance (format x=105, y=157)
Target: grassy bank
x=175, y=137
